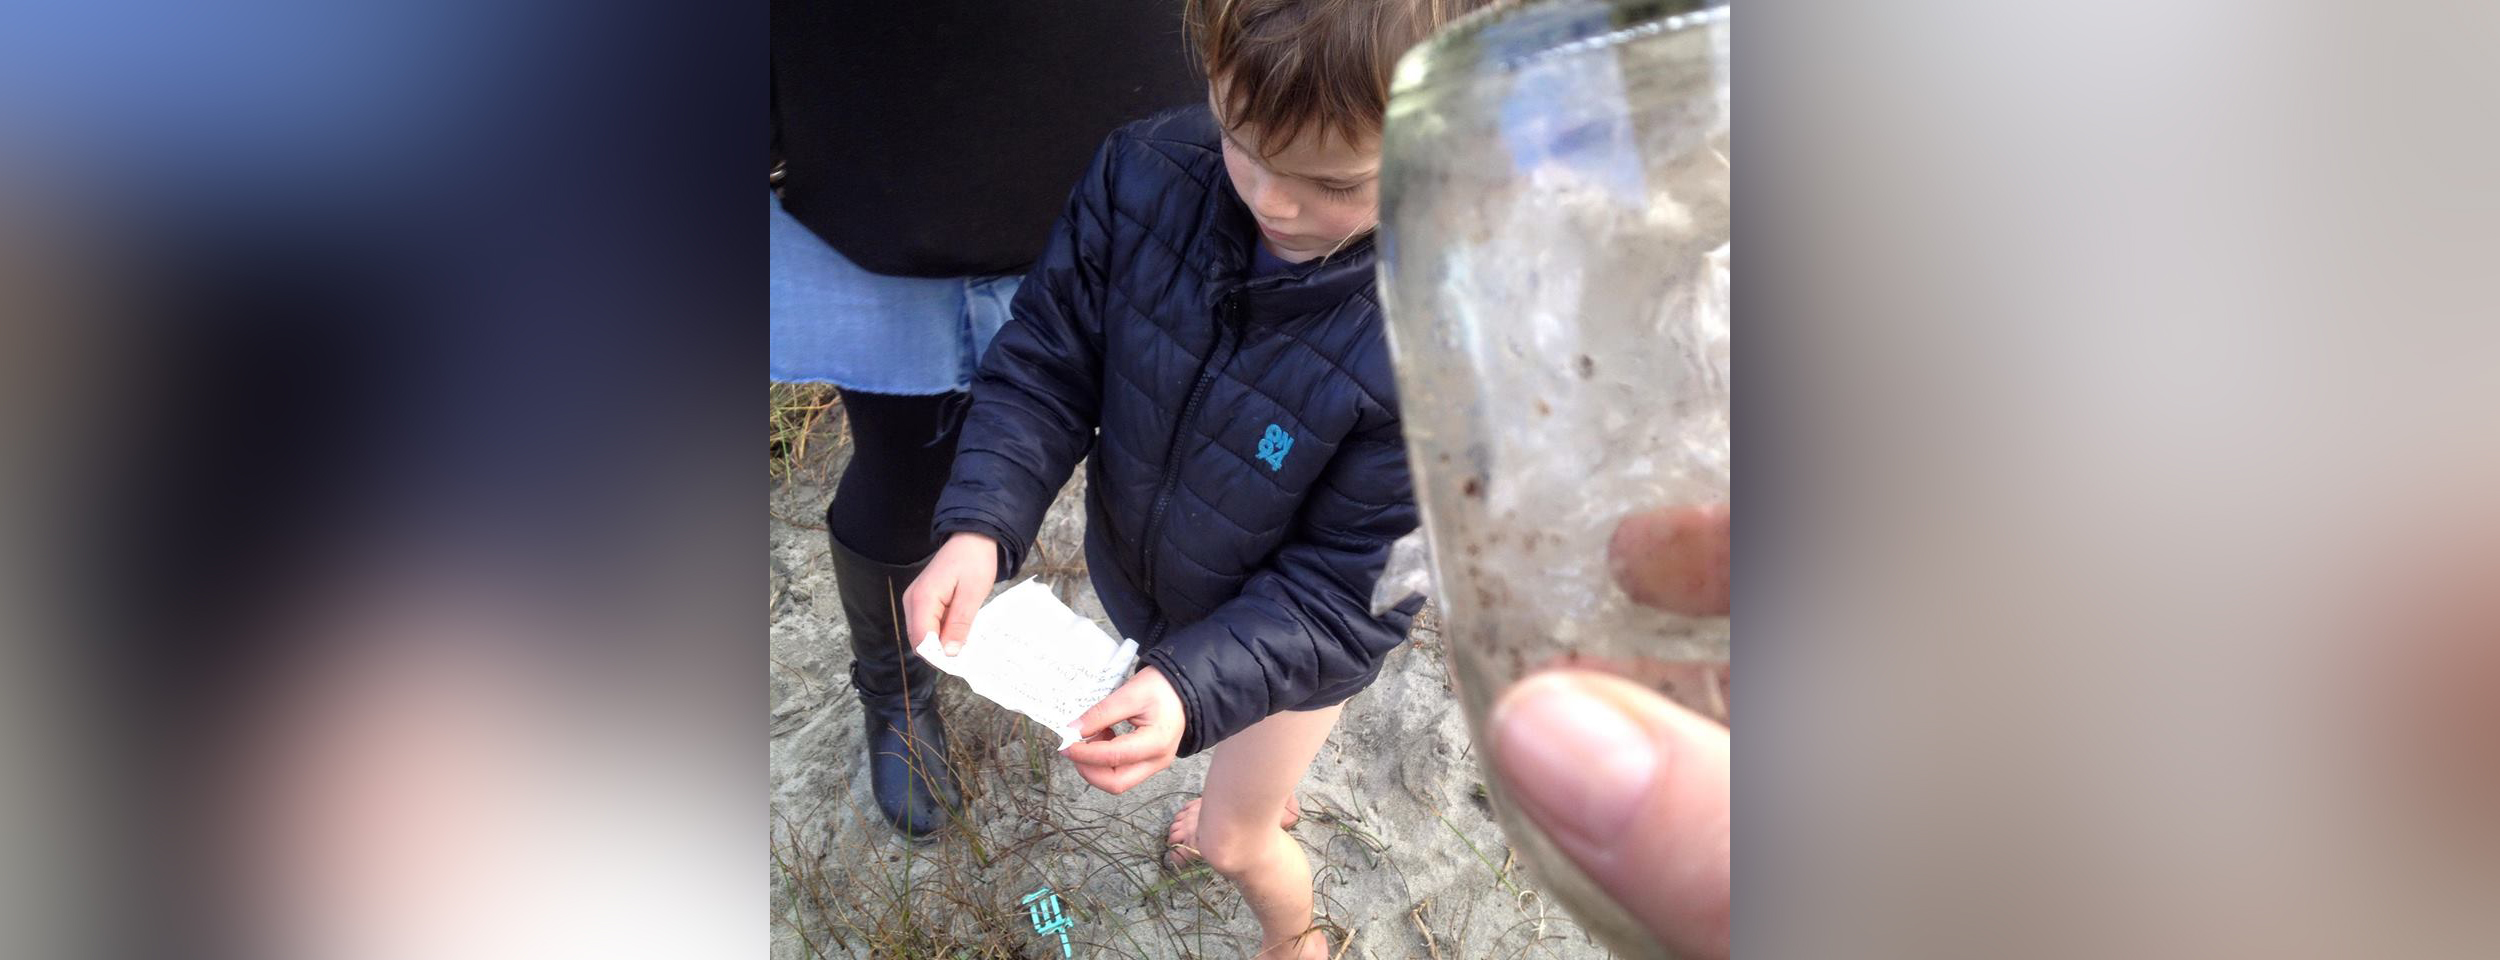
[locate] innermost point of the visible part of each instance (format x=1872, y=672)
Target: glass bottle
x=1555, y=255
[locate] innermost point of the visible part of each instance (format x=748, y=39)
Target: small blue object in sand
x=1043, y=906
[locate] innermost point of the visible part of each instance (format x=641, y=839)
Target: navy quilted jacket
x=1246, y=474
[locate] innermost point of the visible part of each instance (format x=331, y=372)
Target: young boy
x=1204, y=325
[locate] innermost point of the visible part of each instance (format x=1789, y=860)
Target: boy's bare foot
x=1312, y=945
x=1182, y=842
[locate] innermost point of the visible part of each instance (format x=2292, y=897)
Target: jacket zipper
x=1226, y=315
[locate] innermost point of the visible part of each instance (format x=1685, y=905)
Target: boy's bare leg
x=1183, y=841
x=1252, y=777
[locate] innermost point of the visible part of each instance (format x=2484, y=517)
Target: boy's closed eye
x=1309, y=188
x=1334, y=185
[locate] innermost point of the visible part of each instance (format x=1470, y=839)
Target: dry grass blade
x=799, y=412
x=1417, y=915
x=1498, y=876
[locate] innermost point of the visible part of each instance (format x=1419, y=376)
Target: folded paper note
x=1031, y=654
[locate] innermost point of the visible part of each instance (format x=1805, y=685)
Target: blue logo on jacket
x=1273, y=446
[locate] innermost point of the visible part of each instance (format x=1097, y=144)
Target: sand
x=1407, y=859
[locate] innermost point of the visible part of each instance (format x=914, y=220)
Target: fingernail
x=1577, y=765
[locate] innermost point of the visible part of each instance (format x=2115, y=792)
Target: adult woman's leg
x=901, y=451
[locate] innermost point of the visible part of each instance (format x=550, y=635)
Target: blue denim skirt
x=833, y=322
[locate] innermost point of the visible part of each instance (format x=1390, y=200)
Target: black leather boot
x=907, y=761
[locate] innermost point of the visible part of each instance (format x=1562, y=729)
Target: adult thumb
x=1634, y=789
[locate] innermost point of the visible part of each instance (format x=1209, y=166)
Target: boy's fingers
x=921, y=606
x=1132, y=748
x=1097, y=777
x=1105, y=779
x=1128, y=777
x=1120, y=705
x=1118, y=779
x=1122, y=778
x=1088, y=752
x=958, y=624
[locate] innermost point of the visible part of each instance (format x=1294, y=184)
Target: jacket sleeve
x=1303, y=624
x=1036, y=397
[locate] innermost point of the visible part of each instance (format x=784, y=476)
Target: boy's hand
x=1115, y=763
x=950, y=589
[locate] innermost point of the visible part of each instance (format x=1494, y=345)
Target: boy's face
x=1311, y=197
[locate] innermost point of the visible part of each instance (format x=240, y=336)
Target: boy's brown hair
x=1293, y=66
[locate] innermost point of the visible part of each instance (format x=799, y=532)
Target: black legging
x=901, y=450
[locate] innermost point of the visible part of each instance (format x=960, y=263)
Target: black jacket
x=936, y=138
x=1247, y=473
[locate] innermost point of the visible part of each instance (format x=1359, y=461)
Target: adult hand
x=1114, y=763
x=1632, y=787
x=950, y=589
